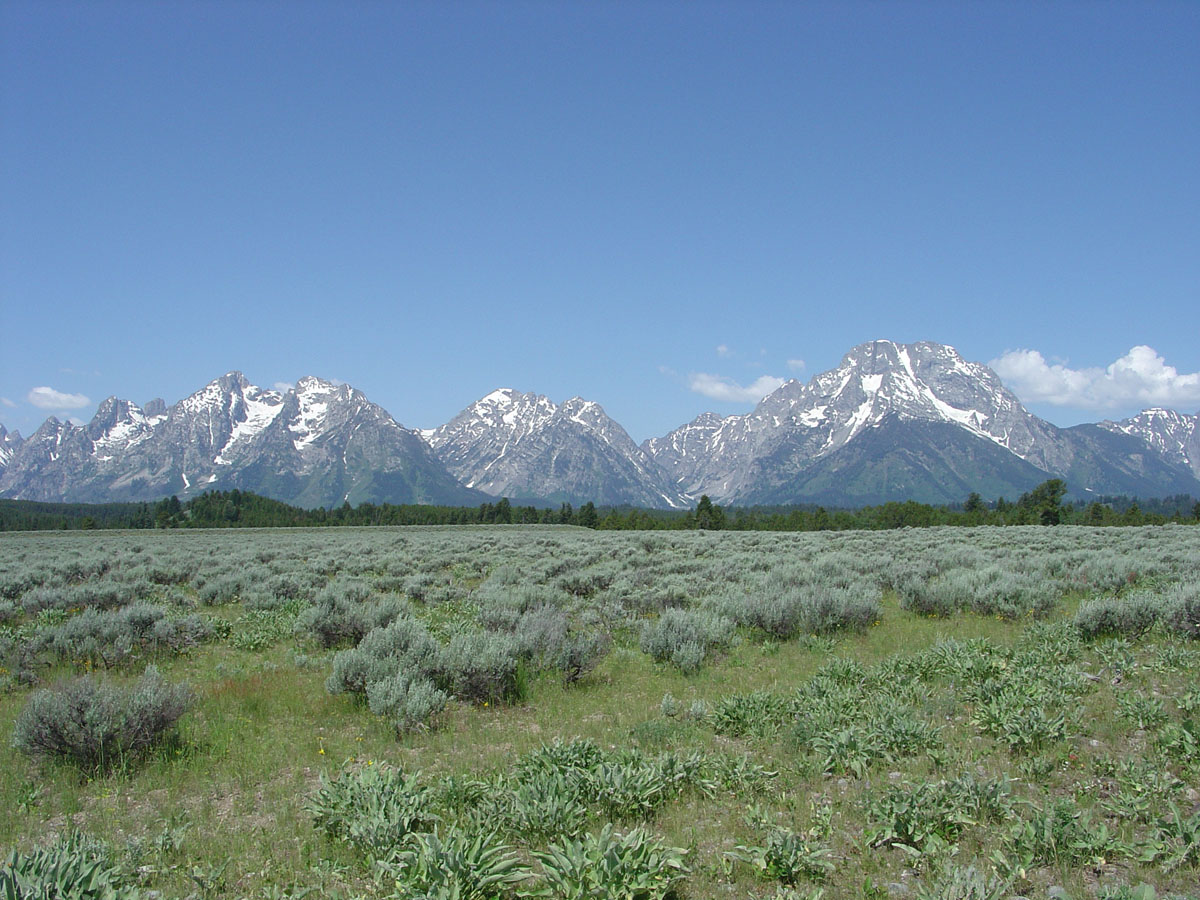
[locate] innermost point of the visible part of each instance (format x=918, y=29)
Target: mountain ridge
x=891, y=421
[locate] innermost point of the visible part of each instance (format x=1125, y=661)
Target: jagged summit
x=318, y=444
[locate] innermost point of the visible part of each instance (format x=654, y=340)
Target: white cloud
x=4, y=401
x=726, y=389
x=723, y=351
x=76, y=421
x=49, y=398
x=796, y=365
x=284, y=386
x=1139, y=378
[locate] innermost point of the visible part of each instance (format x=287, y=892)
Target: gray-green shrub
x=685, y=636
x=96, y=725
x=1131, y=614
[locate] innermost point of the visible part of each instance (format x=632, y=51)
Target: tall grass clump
x=99, y=726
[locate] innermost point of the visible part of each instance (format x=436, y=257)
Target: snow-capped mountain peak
x=1173, y=434
x=523, y=445
x=875, y=382
x=320, y=443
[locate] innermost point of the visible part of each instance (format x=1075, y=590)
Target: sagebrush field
x=496, y=712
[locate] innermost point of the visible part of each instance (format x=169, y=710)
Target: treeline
x=242, y=509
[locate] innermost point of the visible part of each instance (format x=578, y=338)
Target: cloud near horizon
x=729, y=391
x=48, y=398
x=1140, y=377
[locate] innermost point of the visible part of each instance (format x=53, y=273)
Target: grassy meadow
x=552, y=711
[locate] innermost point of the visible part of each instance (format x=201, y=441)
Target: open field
x=928, y=713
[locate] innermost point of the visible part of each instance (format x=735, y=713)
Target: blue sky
x=658, y=206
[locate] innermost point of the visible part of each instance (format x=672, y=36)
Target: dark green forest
x=1044, y=505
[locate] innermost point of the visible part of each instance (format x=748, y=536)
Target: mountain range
x=891, y=422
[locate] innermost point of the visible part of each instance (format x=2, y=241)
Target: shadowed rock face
x=524, y=446
x=318, y=444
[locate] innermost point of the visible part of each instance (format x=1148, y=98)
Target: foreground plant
x=74, y=868
x=374, y=808
x=454, y=865
x=99, y=726
x=610, y=866
x=788, y=856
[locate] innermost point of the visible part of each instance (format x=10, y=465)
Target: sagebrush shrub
x=1181, y=609
x=684, y=636
x=408, y=701
x=479, y=666
x=1129, y=615
x=98, y=726
x=107, y=638
x=343, y=613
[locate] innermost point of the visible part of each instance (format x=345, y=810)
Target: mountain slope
x=898, y=459
x=525, y=447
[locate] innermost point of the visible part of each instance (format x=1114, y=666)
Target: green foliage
x=1060, y=833
x=955, y=882
x=546, y=803
x=929, y=815
x=73, y=868
x=98, y=726
x=1025, y=720
x=372, y=807
x=788, y=856
x=454, y=865
x=1177, y=840
x=611, y=866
